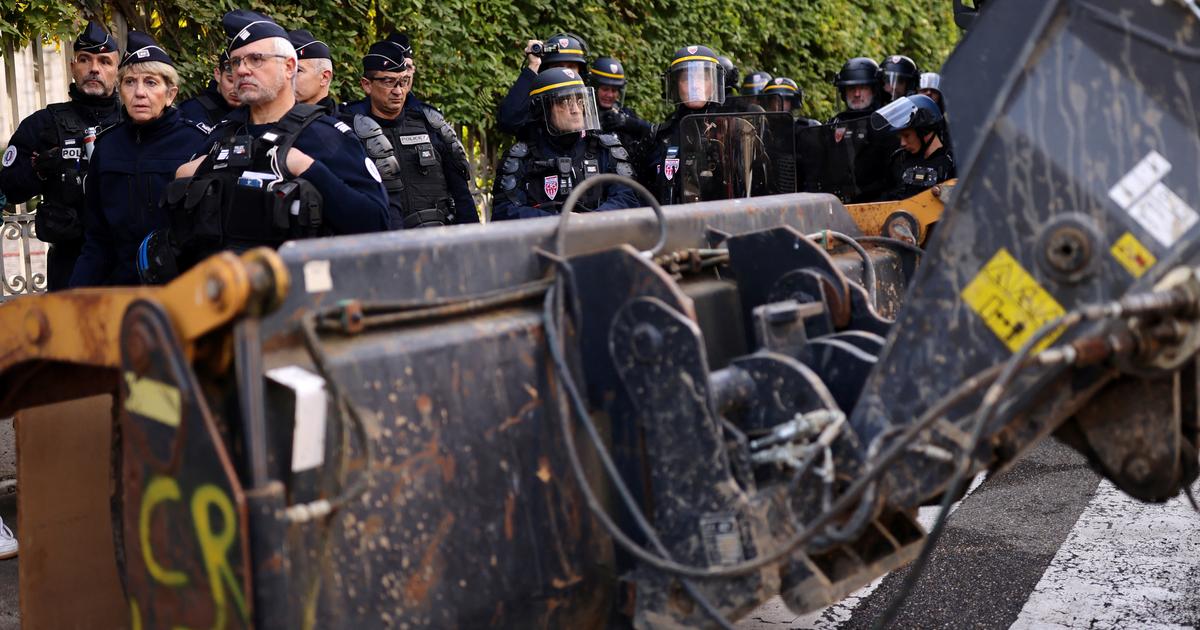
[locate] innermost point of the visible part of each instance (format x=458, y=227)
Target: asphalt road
x=1044, y=545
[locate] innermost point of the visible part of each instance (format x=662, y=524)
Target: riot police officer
x=217, y=100
x=858, y=88
x=784, y=95
x=752, y=88
x=922, y=161
x=732, y=77
x=931, y=86
x=314, y=70
x=561, y=50
x=48, y=154
x=132, y=164
x=564, y=148
x=695, y=84
x=898, y=76
x=425, y=167
x=273, y=170
x=855, y=164
x=607, y=77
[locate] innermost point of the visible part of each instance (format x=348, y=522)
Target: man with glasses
x=48, y=154
x=564, y=147
x=274, y=170
x=218, y=99
x=425, y=167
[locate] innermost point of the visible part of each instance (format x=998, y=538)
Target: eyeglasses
x=254, y=61
x=388, y=83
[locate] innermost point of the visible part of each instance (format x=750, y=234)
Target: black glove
x=48, y=163
x=612, y=120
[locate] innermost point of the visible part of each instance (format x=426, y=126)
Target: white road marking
x=775, y=614
x=1126, y=564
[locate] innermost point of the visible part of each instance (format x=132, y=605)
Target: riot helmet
x=732, y=77
x=561, y=99
x=931, y=86
x=858, y=83
x=898, y=76
x=782, y=95
x=917, y=112
x=695, y=78
x=755, y=83
x=607, y=75
x=562, y=48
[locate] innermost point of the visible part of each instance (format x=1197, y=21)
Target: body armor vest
x=423, y=196
x=239, y=197
x=57, y=219
x=550, y=178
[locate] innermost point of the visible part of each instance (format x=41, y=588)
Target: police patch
x=670, y=166
x=550, y=186
x=372, y=170
x=570, y=73
x=692, y=49
x=10, y=156
x=564, y=42
x=614, y=68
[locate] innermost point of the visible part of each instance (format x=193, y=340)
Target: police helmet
x=931, y=83
x=607, y=71
x=564, y=48
x=787, y=96
x=857, y=71
x=755, y=83
x=917, y=112
x=694, y=78
x=897, y=70
x=560, y=98
x=732, y=77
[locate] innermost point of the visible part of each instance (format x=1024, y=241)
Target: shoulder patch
x=343, y=127
x=373, y=170
x=10, y=156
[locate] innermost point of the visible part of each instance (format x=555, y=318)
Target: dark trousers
x=60, y=262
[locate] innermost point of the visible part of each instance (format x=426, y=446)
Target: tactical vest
x=846, y=144
x=212, y=109
x=550, y=178
x=57, y=219
x=239, y=197
x=423, y=195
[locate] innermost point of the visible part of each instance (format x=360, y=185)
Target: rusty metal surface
x=926, y=208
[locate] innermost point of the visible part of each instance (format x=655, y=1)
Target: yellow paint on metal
x=153, y=399
x=1132, y=255
x=1011, y=302
x=926, y=208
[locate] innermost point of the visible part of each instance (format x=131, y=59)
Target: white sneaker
x=8, y=542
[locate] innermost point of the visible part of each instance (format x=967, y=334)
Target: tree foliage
x=468, y=52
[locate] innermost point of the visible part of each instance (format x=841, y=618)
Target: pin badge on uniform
x=550, y=186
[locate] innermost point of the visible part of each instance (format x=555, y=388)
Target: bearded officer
x=425, y=167
x=564, y=148
x=48, y=154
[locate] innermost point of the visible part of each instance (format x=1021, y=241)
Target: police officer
x=561, y=50
x=564, y=148
x=48, y=154
x=314, y=70
x=931, y=86
x=607, y=78
x=217, y=100
x=132, y=164
x=858, y=88
x=752, y=87
x=922, y=161
x=898, y=76
x=784, y=95
x=856, y=163
x=274, y=170
x=695, y=84
x=733, y=78
x=425, y=166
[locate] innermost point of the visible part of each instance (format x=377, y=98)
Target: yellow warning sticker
x=1011, y=302
x=1132, y=255
x=153, y=399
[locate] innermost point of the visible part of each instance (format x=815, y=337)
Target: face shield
x=571, y=111
x=901, y=113
x=896, y=85
x=695, y=84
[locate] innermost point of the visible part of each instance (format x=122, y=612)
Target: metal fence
x=24, y=257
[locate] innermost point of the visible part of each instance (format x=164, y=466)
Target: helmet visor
x=695, y=84
x=896, y=85
x=894, y=116
x=571, y=110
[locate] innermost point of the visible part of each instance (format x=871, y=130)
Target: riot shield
x=736, y=155
x=846, y=159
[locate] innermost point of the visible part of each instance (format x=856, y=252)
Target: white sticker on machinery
x=1161, y=212
x=308, y=436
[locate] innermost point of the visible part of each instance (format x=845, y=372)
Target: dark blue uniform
x=353, y=197
x=512, y=116
x=454, y=169
x=131, y=166
x=661, y=171
x=19, y=181
x=207, y=107
x=529, y=184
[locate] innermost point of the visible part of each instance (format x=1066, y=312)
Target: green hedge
x=468, y=51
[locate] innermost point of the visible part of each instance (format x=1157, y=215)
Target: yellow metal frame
x=83, y=326
x=926, y=208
